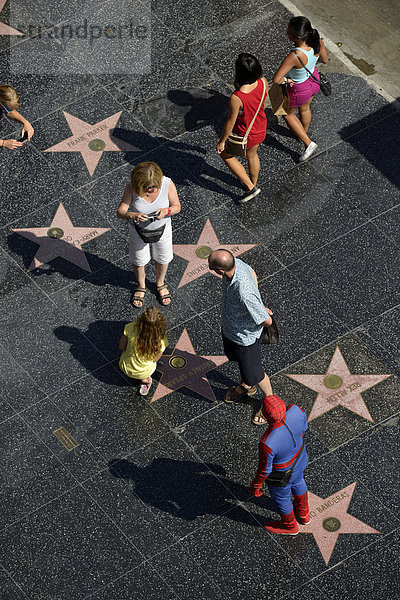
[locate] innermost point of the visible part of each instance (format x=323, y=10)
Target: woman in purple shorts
x=310, y=49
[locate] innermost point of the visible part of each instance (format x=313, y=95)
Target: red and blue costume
x=278, y=449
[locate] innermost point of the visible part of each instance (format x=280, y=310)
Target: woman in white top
x=152, y=199
x=310, y=49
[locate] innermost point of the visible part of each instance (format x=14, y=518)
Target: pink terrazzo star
x=61, y=239
x=339, y=387
x=92, y=140
x=183, y=368
x=6, y=29
x=197, y=254
x=329, y=518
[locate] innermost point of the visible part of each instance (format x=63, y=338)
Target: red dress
x=251, y=102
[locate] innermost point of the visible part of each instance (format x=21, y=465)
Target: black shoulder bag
x=270, y=333
x=323, y=81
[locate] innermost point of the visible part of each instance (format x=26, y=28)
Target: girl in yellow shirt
x=143, y=344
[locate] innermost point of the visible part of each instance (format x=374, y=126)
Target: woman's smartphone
x=24, y=138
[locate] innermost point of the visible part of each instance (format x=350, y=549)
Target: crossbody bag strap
x=304, y=67
x=246, y=135
x=301, y=449
x=297, y=457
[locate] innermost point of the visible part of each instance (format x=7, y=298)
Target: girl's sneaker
x=249, y=194
x=144, y=387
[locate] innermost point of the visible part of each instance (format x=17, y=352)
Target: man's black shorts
x=249, y=359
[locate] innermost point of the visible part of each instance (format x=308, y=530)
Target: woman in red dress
x=243, y=105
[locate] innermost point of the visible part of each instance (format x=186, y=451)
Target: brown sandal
x=232, y=395
x=163, y=297
x=259, y=418
x=137, y=298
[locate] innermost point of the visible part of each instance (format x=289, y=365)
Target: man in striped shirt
x=280, y=449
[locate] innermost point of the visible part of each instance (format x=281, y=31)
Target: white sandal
x=145, y=387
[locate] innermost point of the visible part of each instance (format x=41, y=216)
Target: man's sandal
x=233, y=395
x=164, y=299
x=259, y=418
x=137, y=298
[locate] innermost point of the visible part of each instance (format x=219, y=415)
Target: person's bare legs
x=264, y=385
x=161, y=271
x=266, y=388
x=140, y=273
x=295, y=125
x=237, y=169
x=253, y=161
x=305, y=114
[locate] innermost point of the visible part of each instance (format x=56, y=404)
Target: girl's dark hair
x=247, y=69
x=301, y=28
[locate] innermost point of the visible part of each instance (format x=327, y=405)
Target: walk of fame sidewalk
x=108, y=495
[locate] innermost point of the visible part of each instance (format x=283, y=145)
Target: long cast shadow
x=105, y=336
x=377, y=130
x=197, y=169
x=188, y=489
x=200, y=106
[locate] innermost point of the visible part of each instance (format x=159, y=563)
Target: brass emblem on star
x=97, y=145
x=203, y=251
x=331, y=524
x=177, y=362
x=55, y=232
x=333, y=382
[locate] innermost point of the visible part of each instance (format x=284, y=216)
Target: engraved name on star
x=92, y=140
x=339, y=387
x=197, y=254
x=185, y=369
x=6, y=29
x=329, y=519
x=61, y=239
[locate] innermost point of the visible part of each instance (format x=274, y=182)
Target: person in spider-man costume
x=278, y=449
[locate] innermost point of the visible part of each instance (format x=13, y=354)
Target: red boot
x=287, y=524
x=301, y=509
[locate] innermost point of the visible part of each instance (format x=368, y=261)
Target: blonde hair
x=145, y=174
x=151, y=331
x=9, y=97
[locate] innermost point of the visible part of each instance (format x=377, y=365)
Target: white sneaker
x=308, y=151
x=249, y=194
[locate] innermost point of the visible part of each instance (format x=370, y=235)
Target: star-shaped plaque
x=329, y=518
x=183, y=368
x=61, y=239
x=6, y=29
x=92, y=140
x=338, y=386
x=197, y=254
